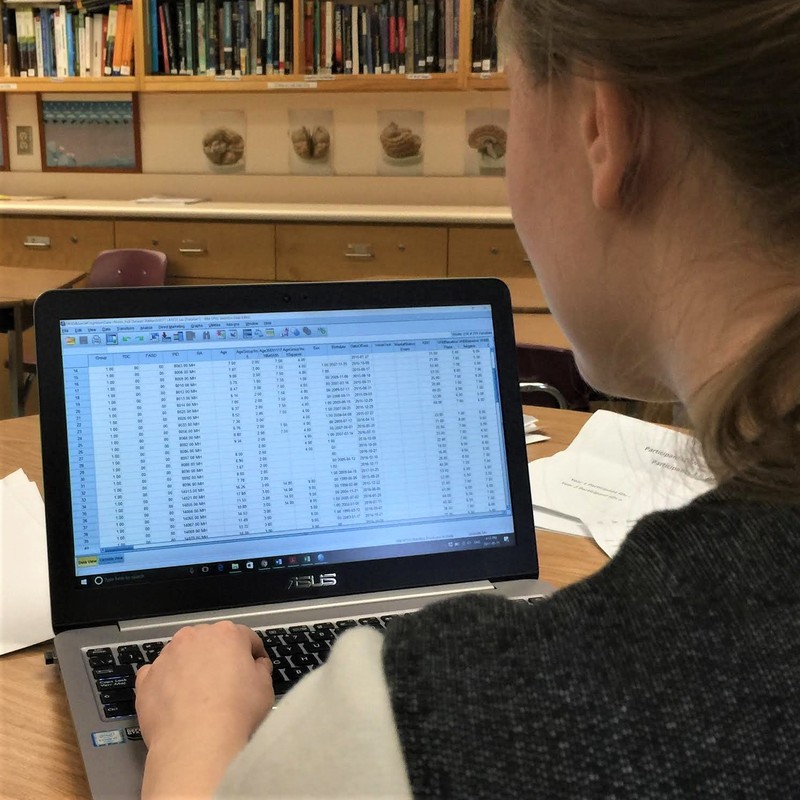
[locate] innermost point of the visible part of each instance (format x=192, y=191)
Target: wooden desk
x=19, y=287
x=39, y=755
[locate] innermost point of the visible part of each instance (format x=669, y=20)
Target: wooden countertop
x=265, y=212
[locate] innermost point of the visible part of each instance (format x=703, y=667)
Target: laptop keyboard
x=295, y=650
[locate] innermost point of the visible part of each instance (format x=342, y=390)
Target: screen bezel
x=75, y=607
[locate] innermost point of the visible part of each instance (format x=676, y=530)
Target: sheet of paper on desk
x=532, y=434
x=616, y=470
x=24, y=590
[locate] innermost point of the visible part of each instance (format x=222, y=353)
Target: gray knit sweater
x=673, y=672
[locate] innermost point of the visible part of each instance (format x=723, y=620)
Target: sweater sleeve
x=333, y=735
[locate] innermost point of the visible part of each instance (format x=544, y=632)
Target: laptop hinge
x=331, y=606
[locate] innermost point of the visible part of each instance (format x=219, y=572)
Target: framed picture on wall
x=89, y=133
x=3, y=133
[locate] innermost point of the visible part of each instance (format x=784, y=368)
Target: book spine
x=347, y=40
x=189, y=35
x=5, y=21
x=486, y=33
x=37, y=37
x=355, y=32
x=287, y=29
x=47, y=42
x=383, y=19
x=30, y=42
x=70, y=23
x=111, y=36
x=338, y=44
x=419, y=35
x=308, y=37
x=227, y=35
x=317, y=36
x=259, y=25
x=212, y=29
x=202, y=39
x=270, y=37
x=440, y=65
x=392, y=35
x=456, y=29
x=401, y=36
x=180, y=36
x=252, y=30
x=155, y=38
x=282, y=34
x=83, y=58
x=366, y=48
x=329, y=44
x=448, y=35
x=242, y=36
x=119, y=38
x=375, y=34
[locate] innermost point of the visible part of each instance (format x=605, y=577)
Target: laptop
x=301, y=458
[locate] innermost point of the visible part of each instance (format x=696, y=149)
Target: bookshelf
x=311, y=67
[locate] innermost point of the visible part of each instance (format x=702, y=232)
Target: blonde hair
x=729, y=70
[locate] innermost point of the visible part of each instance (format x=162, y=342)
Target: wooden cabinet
x=53, y=242
x=475, y=252
x=206, y=252
x=349, y=252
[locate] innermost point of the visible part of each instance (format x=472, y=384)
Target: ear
x=610, y=137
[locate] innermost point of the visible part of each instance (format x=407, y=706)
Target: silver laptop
x=301, y=458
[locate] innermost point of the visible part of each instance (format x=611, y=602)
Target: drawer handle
x=192, y=251
x=361, y=252
x=37, y=242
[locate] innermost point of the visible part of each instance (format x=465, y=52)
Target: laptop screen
x=225, y=443
x=221, y=446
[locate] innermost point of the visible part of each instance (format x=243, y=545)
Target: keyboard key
x=295, y=673
x=322, y=636
x=288, y=649
x=295, y=638
x=113, y=670
x=281, y=687
x=323, y=626
x=120, y=682
x=101, y=661
x=316, y=647
x=275, y=631
x=298, y=628
x=116, y=695
x=98, y=651
x=343, y=624
x=124, y=708
x=304, y=660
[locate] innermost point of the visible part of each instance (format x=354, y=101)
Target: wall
x=172, y=127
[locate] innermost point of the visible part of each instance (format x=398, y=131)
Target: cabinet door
x=476, y=252
x=349, y=252
x=235, y=251
x=53, y=242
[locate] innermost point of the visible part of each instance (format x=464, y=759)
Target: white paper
x=24, y=588
x=616, y=470
x=560, y=523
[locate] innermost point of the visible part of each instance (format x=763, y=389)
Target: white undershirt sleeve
x=333, y=735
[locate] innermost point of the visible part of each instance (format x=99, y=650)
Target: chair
x=549, y=377
x=130, y=266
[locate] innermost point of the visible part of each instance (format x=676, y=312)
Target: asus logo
x=312, y=581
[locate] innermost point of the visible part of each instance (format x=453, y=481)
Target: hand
x=198, y=704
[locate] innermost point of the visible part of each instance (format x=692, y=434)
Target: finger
x=266, y=663
x=256, y=645
x=141, y=674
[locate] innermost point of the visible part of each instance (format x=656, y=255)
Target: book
x=119, y=38
x=201, y=39
x=227, y=36
x=355, y=32
x=111, y=35
x=212, y=31
x=284, y=28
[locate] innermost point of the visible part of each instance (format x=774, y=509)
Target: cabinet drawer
x=475, y=252
x=226, y=250
x=347, y=252
x=53, y=243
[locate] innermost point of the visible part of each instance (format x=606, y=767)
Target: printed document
x=616, y=470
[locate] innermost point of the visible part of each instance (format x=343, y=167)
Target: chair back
x=545, y=369
x=130, y=266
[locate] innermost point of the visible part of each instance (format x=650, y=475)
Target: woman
x=654, y=177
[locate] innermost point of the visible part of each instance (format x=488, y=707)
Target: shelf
x=301, y=83
x=486, y=81
x=82, y=85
